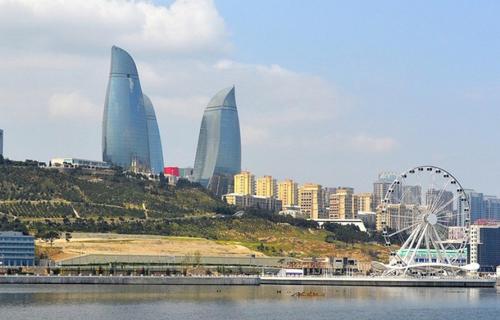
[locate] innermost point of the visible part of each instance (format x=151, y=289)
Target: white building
x=74, y=163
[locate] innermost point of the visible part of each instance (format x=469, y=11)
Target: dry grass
x=114, y=244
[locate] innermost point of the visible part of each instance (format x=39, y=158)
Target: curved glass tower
x=218, y=156
x=155, y=149
x=124, y=127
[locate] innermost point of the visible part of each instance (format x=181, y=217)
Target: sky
x=331, y=92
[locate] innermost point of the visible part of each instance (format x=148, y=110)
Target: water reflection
x=83, y=302
x=68, y=294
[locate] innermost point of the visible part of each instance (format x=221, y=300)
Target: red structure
x=173, y=171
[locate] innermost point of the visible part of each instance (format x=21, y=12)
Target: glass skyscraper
x=218, y=155
x=155, y=149
x=127, y=123
x=1, y=142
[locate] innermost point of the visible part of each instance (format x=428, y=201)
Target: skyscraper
x=124, y=127
x=492, y=207
x=218, y=155
x=155, y=149
x=476, y=203
x=1, y=142
x=381, y=186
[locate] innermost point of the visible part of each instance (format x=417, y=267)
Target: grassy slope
x=33, y=192
x=114, y=203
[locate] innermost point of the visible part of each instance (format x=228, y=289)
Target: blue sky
x=328, y=91
x=426, y=72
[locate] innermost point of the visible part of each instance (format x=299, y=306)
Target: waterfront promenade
x=251, y=281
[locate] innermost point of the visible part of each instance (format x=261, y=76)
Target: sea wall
x=250, y=281
x=379, y=282
x=130, y=280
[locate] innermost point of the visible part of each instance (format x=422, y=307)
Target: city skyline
x=291, y=108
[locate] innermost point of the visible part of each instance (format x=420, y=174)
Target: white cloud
x=363, y=142
x=72, y=106
x=186, y=26
x=57, y=54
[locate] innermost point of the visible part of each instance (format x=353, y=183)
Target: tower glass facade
x=155, y=149
x=218, y=155
x=1, y=142
x=125, y=131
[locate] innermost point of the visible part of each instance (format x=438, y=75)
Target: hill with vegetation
x=50, y=203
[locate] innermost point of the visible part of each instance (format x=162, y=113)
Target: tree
x=68, y=236
x=50, y=236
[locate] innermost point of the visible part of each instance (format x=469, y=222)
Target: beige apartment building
x=311, y=200
x=266, y=187
x=288, y=193
x=342, y=204
x=244, y=183
x=247, y=201
x=363, y=202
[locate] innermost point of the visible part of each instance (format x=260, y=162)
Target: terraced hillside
x=50, y=204
x=31, y=192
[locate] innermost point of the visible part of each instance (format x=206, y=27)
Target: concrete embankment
x=379, y=282
x=250, y=281
x=126, y=280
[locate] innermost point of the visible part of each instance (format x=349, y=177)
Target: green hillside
x=32, y=192
x=43, y=201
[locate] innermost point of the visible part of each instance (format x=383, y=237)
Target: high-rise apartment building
x=244, y=183
x=327, y=192
x=311, y=200
x=485, y=246
x=362, y=202
x=341, y=204
x=288, y=193
x=476, y=203
x=492, y=208
x=266, y=187
x=218, y=154
x=380, y=187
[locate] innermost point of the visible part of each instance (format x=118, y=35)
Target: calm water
x=77, y=302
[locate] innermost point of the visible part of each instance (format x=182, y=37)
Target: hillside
x=31, y=192
x=41, y=201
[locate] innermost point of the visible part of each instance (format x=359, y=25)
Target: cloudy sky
x=328, y=92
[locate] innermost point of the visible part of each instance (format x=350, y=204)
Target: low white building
x=75, y=163
x=293, y=211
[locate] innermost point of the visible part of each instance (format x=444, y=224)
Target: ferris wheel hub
x=432, y=219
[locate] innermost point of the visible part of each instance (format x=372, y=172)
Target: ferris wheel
x=425, y=218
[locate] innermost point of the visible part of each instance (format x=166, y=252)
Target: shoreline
x=251, y=281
